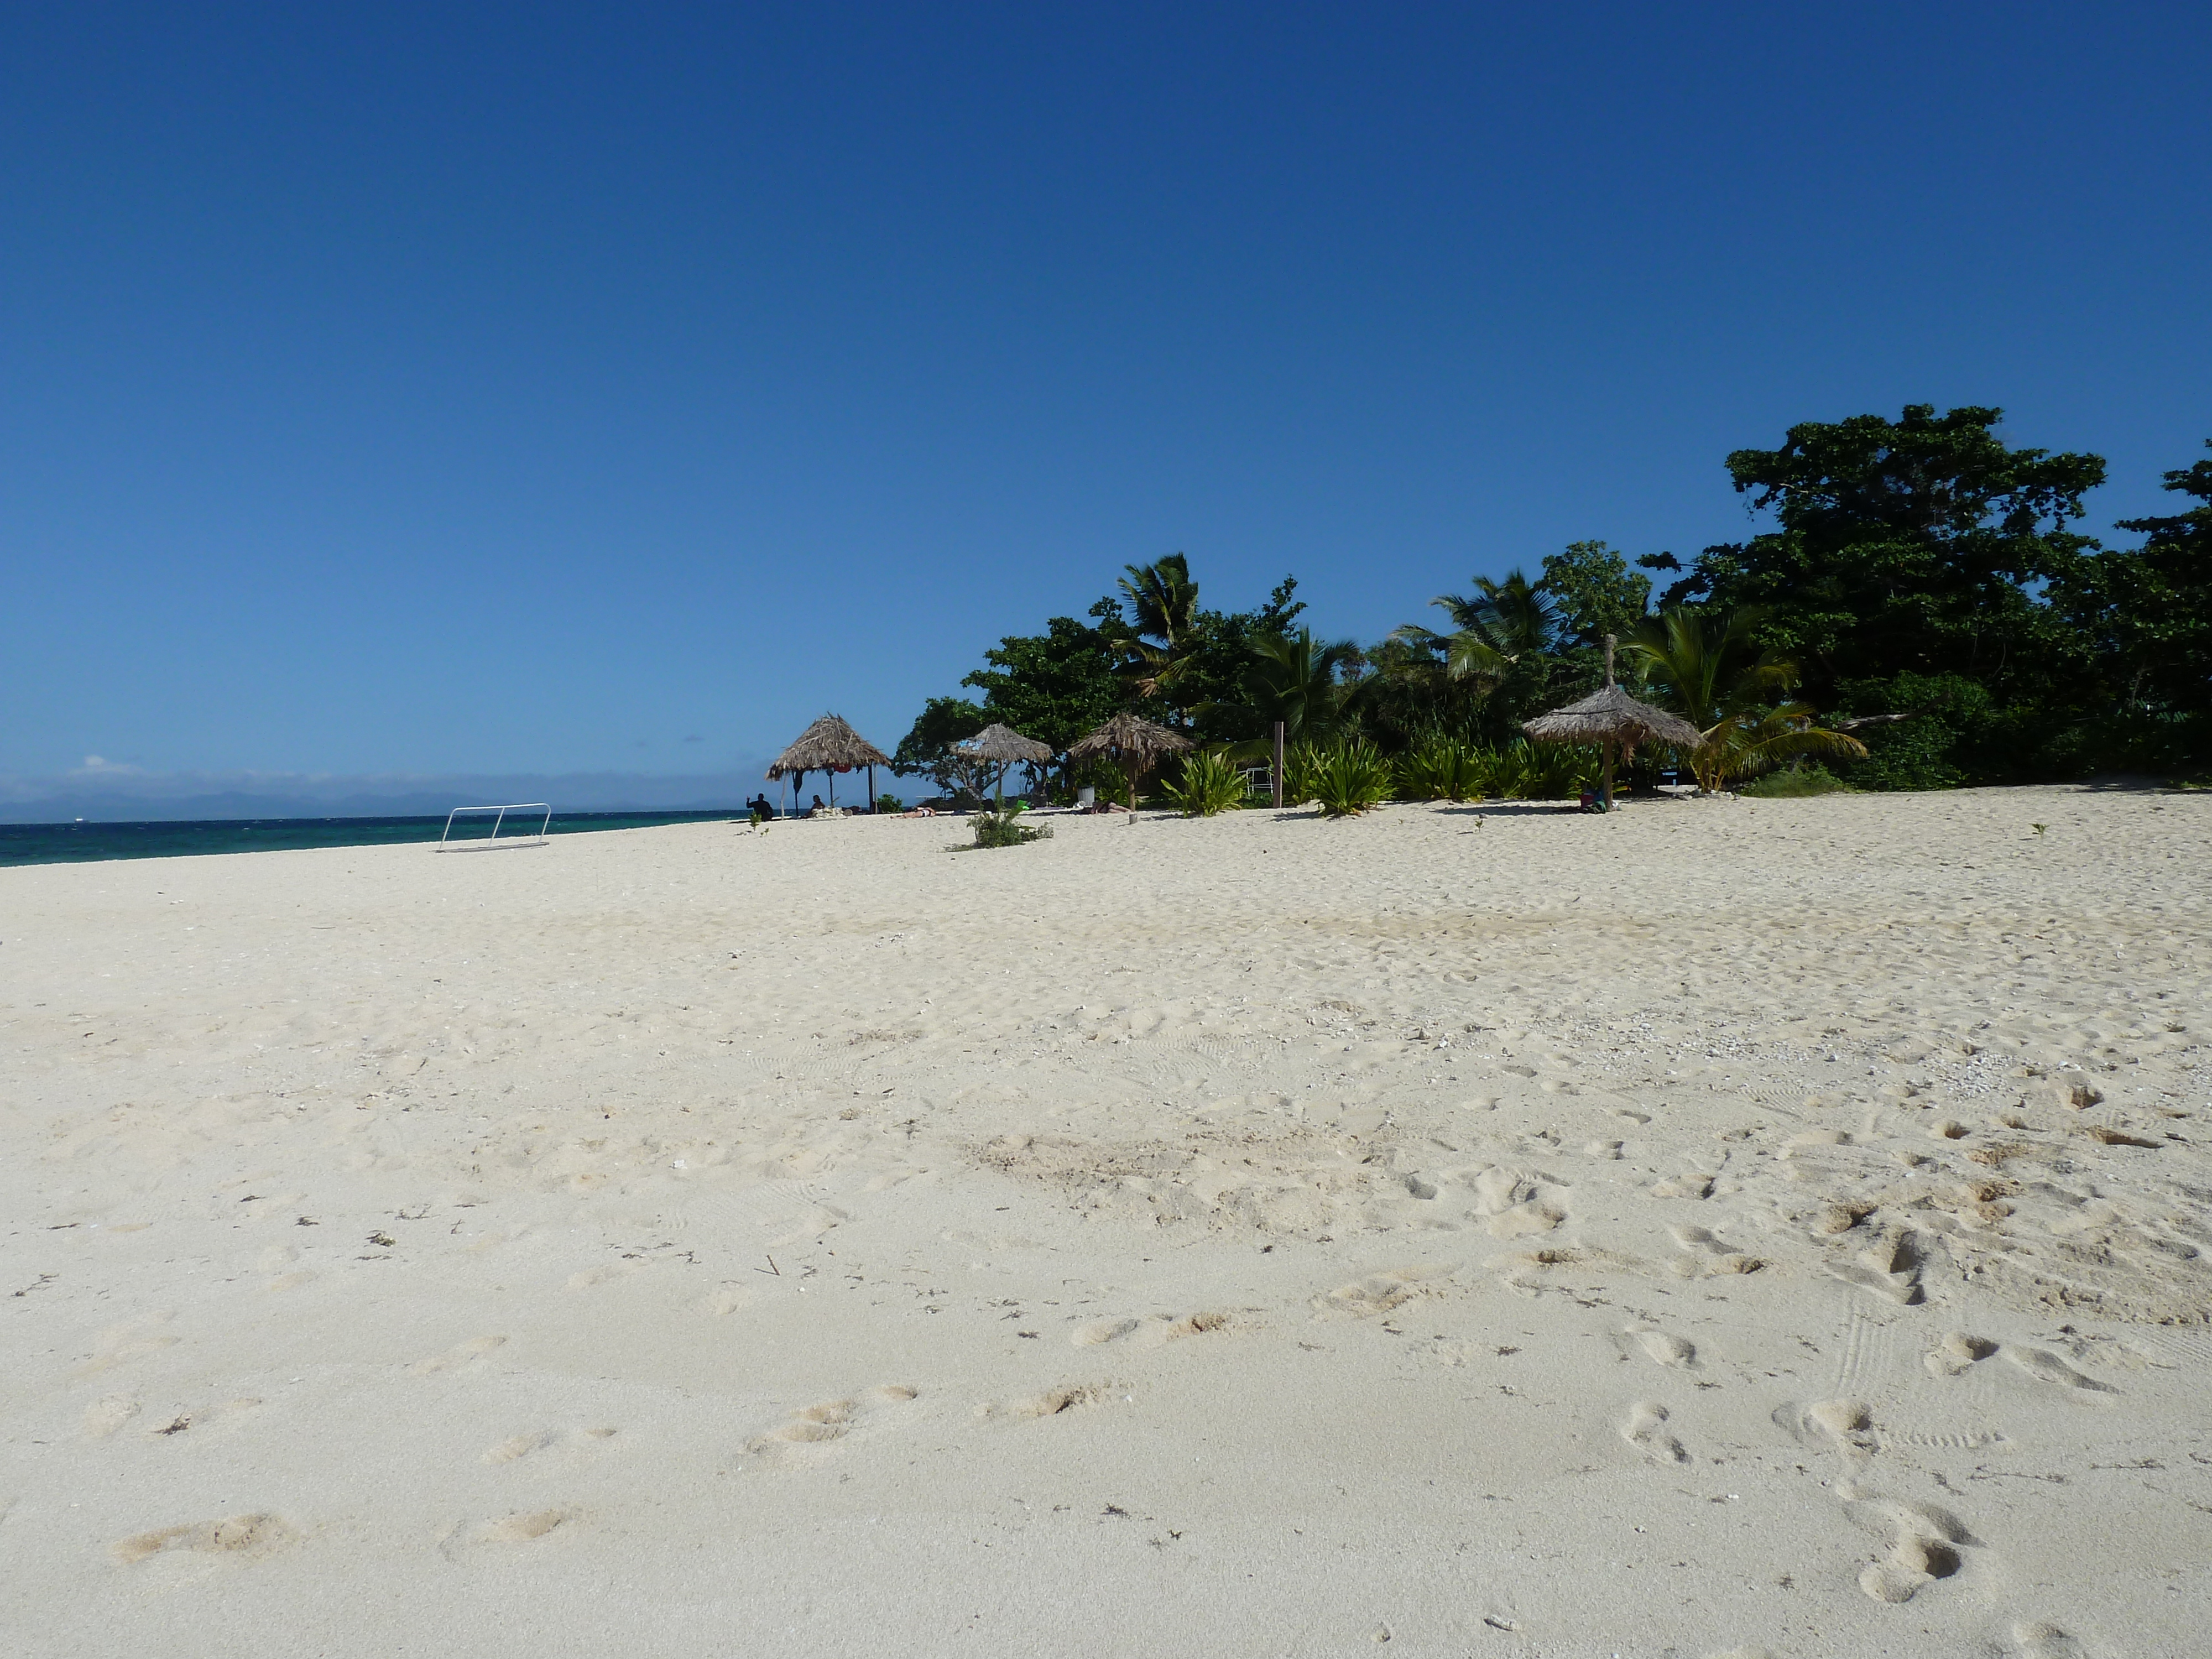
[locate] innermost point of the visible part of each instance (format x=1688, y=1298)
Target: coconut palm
x=1163, y=605
x=1755, y=741
x=1706, y=666
x=1708, y=669
x=1504, y=623
x=1298, y=680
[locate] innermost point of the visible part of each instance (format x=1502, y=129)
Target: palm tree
x=1506, y=622
x=1163, y=602
x=1298, y=680
x=1708, y=670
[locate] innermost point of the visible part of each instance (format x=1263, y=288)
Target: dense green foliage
x=1439, y=768
x=1796, y=783
x=927, y=750
x=1925, y=610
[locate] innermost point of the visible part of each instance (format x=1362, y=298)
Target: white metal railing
x=446, y=844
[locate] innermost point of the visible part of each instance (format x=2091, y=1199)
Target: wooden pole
x=1279, y=765
x=872, y=787
x=1605, y=795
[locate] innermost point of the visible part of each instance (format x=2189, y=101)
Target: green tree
x=1595, y=593
x=1501, y=643
x=1914, y=545
x=1298, y=680
x=928, y=751
x=1180, y=657
x=1163, y=602
x=2147, y=614
x=1919, y=546
x=1053, y=686
x=1708, y=669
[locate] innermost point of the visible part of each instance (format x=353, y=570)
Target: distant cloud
x=97, y=766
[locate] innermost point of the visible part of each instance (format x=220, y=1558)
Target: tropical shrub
x=1543, y=771
x=1754, y=743
x=1005, y=828
x=1210, y=783
x=1439, y=768
x=1796, y=782
x=1348, y=777
x=888, y=802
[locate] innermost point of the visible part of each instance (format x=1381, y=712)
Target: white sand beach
x=1755, y=1227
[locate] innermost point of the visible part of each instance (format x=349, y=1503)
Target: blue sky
x=460, y=389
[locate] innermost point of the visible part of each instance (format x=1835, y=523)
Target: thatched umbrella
x=832, y=746
x=1005, y=745
x=1615, y=720
x=1136, y=744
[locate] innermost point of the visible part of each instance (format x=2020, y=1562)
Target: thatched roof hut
x=833, y=746
x=1611, y=716
x=1003, y=745
x=1137, y=744
x=1615, y=722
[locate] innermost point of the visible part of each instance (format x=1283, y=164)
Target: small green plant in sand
x=1345, y=778
x=1210, y=783
x=1004, y=828
x=1796, y=783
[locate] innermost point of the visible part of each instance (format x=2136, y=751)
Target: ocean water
x=74, y=843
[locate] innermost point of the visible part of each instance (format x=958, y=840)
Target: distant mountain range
x=121, y=797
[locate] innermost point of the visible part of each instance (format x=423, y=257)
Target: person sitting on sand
x=817, y=808
x=761, y=807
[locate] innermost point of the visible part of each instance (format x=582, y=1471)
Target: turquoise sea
x=74, y=843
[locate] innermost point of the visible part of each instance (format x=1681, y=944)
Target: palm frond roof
x=1127, y=737
x=1612, y=716
x=1002, y=743
x=828, y=745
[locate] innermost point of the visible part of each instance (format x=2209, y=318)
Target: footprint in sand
x=802, y=1438
x=1924, y=1542
x=236, y=1535
x=1662, y=1347
x=458, y=1540
x=1153, y=1331
x=2042, y=1641
x=1645, y=1429
x=1377, y=1293
x=461, y=1356
x=524, y=1528
x=2046, y=1367
x=1839, y=1425
x=1958, y=1351
x=726, y=1300
x=1890, y=1270
x=1705, y=1254
x=519, y=1446
x=103, y=1417
x=120, y=1344
x=1053, y=1401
